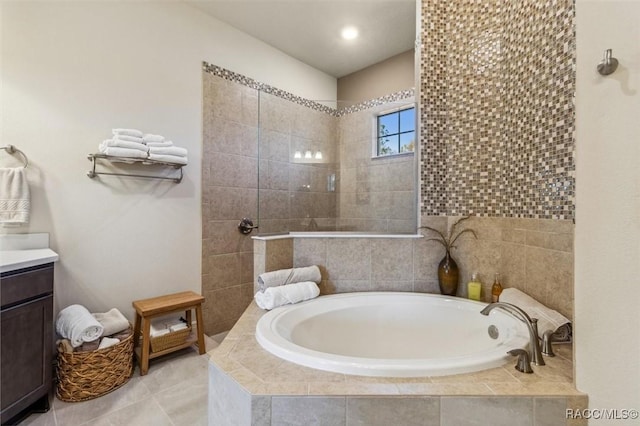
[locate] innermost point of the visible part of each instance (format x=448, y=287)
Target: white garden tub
x=391, y=334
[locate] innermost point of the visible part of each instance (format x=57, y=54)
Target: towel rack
x=94, y=157
x=12, y=150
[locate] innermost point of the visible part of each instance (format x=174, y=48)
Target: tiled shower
x=290, y=164
x=497, y=141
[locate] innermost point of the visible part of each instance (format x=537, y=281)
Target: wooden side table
x=147, y=309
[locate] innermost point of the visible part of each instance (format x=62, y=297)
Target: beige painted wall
x=389, y=76
x=607, y=244
x=71, y=72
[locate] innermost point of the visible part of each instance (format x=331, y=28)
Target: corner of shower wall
x=229, y=192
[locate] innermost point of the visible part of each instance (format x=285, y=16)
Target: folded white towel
x=287, y=276
x=116, y=151
x=15, y=198
x=158, y=329
x=78, y=325
x=168, y=150
x=128, y=132
x=128, y=138
x=112, y=321
x=164, y=143
x=152, y=138
x=548, y=319
x=173, y=159
x=108, y=342
x=284, y=295
x=178, y=327
x=122, y=144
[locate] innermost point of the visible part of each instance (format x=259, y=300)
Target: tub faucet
x=534, y=343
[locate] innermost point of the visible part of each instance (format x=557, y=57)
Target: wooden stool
x=148, y=309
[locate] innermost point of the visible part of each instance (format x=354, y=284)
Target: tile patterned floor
x=173, y=393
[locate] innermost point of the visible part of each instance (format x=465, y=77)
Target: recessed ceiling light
x=349, y=33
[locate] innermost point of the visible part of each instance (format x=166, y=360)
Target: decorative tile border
x=497, y=112
x=249, y=82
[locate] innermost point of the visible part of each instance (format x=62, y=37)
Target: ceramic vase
x=448, y=275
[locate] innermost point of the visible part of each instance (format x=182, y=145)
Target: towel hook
x=608, y=65
x=12, y=150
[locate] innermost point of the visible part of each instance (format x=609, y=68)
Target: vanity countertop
x=11, y=260
x=19, y=251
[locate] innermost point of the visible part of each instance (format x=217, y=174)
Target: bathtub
x=391, y=334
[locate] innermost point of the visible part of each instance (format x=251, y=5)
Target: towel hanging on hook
x=608, y=65
x=12, y=150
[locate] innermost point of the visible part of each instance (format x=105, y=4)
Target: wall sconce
x=308, y=155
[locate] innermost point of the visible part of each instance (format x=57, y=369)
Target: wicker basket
x=86, y=375
x=169, y=340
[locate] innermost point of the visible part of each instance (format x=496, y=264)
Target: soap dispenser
x=474, y=288
x=496, y=289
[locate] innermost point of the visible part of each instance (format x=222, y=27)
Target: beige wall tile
x=236, y=171
x=223, y=237
x=230, y=203
x=279, y=254
x=223, y=307
x=549, y=276
x=391, y=260
x=392, y=285
x=309, y=411
x=349, y=259
x=547, y=411
x=223, y=270
x=457, y=411
x=224, y=136
x=390, y=411
x=310, y=251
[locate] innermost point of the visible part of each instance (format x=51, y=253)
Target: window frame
x=376, y=128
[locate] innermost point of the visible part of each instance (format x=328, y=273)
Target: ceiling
x=309, y=30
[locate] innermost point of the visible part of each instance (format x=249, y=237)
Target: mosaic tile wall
x=497, y=88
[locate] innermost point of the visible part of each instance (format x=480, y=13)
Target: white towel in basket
x=77, y=324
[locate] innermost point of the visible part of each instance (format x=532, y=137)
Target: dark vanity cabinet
x=26, y=332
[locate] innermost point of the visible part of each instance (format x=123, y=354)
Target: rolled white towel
x=128, y=138
x=128, y=132
x=164, y=143
x=173, y=159
x=123, y=144
x=108, y=342
x=284, y=295
x=116, y=151
x=78, y=325
x=112, y=321
x=548, y=319
x=168, y=150
x=287, y=276
x=152, y=138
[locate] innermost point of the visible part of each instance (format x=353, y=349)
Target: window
x=396, y=132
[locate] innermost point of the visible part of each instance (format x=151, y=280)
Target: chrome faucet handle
x=547, y=347
x=534, y=344
x=523, y=364
x=534, y=323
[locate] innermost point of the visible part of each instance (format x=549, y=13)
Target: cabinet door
x=26, y=348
